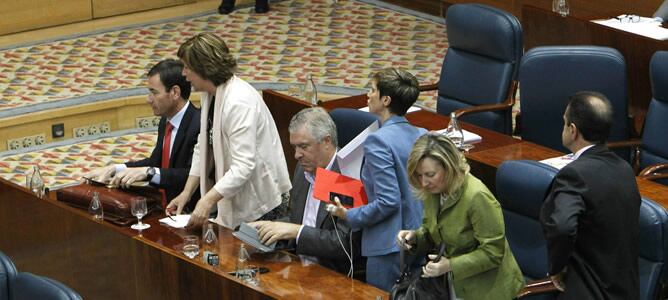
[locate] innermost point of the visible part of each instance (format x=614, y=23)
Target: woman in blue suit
x=392, y=206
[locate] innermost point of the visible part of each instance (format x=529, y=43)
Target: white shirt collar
x=582, y=150
x=176, y=119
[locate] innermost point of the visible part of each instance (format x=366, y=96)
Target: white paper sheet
x=350, y=157
x=558, y=162
x=469, y=137
x=646, y=27
x=179, y=221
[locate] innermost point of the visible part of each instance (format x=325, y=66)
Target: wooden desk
x=544, y=27
x=104, y=261
x=484, y=159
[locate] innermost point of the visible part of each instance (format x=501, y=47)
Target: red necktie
x=165, y=145
x=167, y=140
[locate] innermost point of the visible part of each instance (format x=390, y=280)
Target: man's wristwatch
x=150, y=172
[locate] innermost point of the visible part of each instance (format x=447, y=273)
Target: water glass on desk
x=190, y=246
x=139, y=210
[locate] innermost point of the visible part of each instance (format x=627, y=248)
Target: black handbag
x=413, y=286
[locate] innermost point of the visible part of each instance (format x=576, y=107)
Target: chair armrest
x=508, y=104
x=428, y=87
x=540, y=286
x=624, y=144
x=654, y=172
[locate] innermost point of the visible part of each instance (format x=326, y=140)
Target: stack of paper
x=469, y=137
x=558, y=162
x=644, y=26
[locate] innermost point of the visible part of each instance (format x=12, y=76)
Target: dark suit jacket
x=590, y=221
x=321, y=241
x=174, y=178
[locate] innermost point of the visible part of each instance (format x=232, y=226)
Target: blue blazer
x=392, y=205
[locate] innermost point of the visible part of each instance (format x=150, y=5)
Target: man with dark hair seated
x=177, y=133
x=590, y=217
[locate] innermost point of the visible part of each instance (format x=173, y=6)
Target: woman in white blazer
x=238, y=161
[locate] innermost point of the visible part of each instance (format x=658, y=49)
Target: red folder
x=329, y=184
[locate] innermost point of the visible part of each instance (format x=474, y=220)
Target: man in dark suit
x=590, y=217
x=179, y=126
x=314, y=233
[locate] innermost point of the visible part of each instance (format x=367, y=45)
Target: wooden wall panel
x=18, y=15
x=105, y=8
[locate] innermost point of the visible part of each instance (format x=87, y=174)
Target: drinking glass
x=139, y=210
x=190, y=246
x=252, y=275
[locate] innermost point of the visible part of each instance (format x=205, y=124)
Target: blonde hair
x=443, y=150
x=208, y=56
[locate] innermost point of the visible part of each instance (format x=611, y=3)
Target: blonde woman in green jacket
x=461, y=212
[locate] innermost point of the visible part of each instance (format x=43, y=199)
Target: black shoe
x=225, y=10
x=262, y=9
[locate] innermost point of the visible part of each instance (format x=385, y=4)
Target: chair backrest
x=521, y=187
x=28, y=286
x=655, y=132
x=485, y=48
x=653, y=248
x=350, y=122
x=549, y=75
x=7, y=274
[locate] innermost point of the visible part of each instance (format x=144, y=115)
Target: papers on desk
x=558, y=162
x=410, y=109
x=349, y=158
x=469, y=137
x=648, y=27
x=179, y=221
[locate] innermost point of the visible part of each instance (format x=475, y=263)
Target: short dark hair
x=208, y=56
x=171, y=74
x=592, y=114
x=402, y=87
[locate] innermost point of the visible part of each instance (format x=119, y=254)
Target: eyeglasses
x=628, y=18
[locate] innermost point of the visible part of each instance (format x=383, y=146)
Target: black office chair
x=479, y=72
x=27, y=286
x=550, y=74
x=350, y=122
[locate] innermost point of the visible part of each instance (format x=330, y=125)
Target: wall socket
x=91, y=130
x=147, y=122
x=26, y=142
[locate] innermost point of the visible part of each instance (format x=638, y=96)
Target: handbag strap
x=405, y=265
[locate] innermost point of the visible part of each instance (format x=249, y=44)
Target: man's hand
x=433, y=269
x=102, y=174
x=338, y=210
x=270, y=232
x=128, y=176
x=406, y=239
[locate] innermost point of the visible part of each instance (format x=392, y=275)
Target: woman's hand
x=433, y=269
x=177, y=204
x=406, y=239
x=338, y=210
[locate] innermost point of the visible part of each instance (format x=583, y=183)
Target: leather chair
x=652, y=154
x=521, y=188
x=480, y=66
x=350, y=122
x=7, y=273
x=27, y=286
x=549, y=75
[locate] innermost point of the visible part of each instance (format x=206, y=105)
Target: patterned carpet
x=340, y=43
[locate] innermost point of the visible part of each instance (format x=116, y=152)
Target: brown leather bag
x=116, y=202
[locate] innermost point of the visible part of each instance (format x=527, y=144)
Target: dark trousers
x=259, y=4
